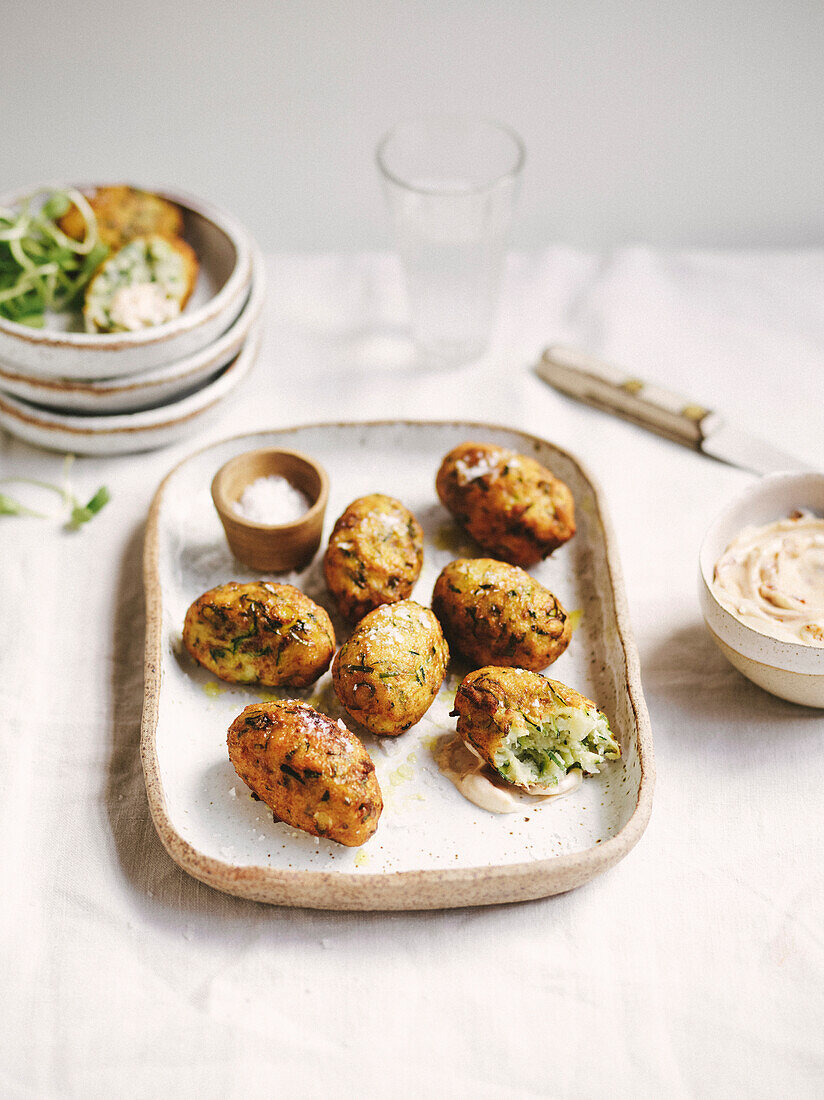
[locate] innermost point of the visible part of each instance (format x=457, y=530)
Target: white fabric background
x=695, y=968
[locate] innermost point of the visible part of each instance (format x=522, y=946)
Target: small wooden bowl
x=280, y=547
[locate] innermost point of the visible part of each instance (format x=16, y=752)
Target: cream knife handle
x=617, y=391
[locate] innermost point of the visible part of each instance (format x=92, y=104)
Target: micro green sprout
x=78, y=513
x=83, y=513
x=11, y=507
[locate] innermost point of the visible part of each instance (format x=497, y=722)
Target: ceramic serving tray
x=433, y=848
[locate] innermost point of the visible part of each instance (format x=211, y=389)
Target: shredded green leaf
x=11, y=507
x=41, y=268
x=78, y=513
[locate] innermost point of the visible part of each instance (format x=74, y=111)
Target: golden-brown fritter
x=374, y=556
x=124, y=213
x=261, y=632
x=389, y=671
x=510, y=504
x=146, y=282
x=311, y=772
x=532, y=730
x=497, y=614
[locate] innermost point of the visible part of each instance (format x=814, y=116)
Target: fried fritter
x=374, y=556
x=532, y=730
x=313, y=773
x=497, y=614
x=146, y=283
x=124, y=213
x=261, y=632
x=389, y=671
x=510, y=504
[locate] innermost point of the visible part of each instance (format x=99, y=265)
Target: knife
x=669, y=414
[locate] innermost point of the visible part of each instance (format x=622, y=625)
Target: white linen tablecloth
x=694, y=968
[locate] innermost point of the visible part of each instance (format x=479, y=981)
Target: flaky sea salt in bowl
x=272, y=503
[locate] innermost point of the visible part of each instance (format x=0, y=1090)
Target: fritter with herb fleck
x=532, y=730
x=389, y=671
x=124, y=213
x=261, y=632
x=510, y=504
x=147, y=282
x=374, y=556
x=497, y=614
x=312, y=773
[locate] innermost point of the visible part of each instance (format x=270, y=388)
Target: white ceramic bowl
x=224, y=253
x=789, y=670
x=126, y=433
x=148, y=389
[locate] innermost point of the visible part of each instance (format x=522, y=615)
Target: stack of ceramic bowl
x=92, y=393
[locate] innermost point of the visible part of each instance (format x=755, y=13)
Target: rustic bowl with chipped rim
x=149, y=389
x=789, y=670
x=272, y=547
x=127, y=432
x=224, y=252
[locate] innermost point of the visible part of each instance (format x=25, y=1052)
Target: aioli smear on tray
x=480, y=786
x=772, y=578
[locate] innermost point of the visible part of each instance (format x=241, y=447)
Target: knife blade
x=670, y=414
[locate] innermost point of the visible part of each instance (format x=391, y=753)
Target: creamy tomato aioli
x=482, y=787
x=772, y=579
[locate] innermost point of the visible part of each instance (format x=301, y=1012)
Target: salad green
x=41, y=268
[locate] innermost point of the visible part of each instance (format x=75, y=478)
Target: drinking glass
x=451, y=185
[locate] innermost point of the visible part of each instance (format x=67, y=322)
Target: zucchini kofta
x=145, y=283
x=123, y=213
x=532, y=730
x=497, y=614
x=512, y=506
x=312, y=773
x=260, y=633
x=389, y=671
x=374, y=556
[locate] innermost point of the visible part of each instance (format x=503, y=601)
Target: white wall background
x=695, y=122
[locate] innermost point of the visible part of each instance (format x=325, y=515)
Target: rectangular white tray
x=433, y=848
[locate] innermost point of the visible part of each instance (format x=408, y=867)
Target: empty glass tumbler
x=451, y=185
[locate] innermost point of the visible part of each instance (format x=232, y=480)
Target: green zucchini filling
x=539, y=753
x=149, y=263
